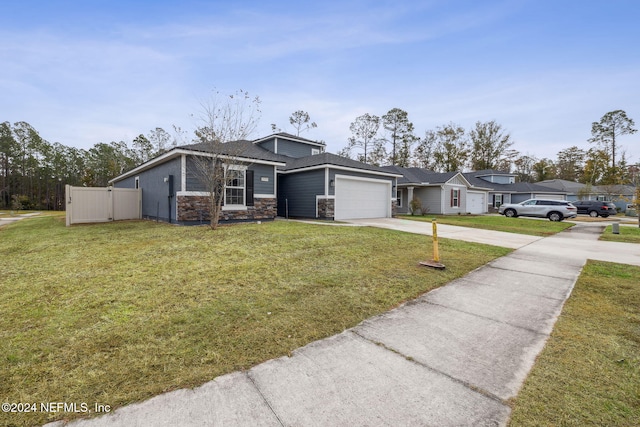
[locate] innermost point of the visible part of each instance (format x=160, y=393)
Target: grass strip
x=628, y=234
x=497, y=223
x=589, y=372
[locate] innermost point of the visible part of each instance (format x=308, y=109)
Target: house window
x=497, y=200
x=399, y=198
x=234, y=192
x=315, y=151
x=455, y=198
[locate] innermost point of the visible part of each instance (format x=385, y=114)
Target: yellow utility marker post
x=435, y=262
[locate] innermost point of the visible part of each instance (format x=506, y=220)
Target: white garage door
x=476, y=203
x=362, y=198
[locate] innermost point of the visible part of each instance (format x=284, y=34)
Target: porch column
x=409, y=198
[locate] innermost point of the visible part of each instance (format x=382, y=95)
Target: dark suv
x=594, y=208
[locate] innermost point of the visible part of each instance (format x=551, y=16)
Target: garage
x=357, y=197
x=476, y=202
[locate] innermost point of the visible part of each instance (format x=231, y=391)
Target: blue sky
x=83, y=72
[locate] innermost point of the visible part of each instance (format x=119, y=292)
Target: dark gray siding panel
x=193, y=182
x=300, y=190
x=260, y=187
x=260, y=172
x=293, y=149
x=268, y=145
x=155, y=192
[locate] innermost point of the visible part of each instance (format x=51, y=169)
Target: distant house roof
x=565, y=185
x=328, y=159
x=487, y=172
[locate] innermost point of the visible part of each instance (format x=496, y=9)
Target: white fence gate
x=102, y=204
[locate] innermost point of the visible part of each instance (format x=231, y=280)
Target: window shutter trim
x=249, y=187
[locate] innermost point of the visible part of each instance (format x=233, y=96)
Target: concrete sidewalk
x=452, y=357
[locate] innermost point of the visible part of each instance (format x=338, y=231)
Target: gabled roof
x=328, y=159
x=290, y=137
x=235, y=149
x=244, y=149
x=421, y=176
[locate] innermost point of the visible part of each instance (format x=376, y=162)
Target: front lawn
x=528, y=226
x=116, y=313
x=589, y=371
x=628, y=234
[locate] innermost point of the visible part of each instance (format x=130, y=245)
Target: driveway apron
x=452, y=357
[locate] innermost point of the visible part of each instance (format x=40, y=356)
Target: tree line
x=34, y=171
x=391, y=140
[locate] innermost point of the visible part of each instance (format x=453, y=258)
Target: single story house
x=620, y=195
x=503, y=188
x=439, y=193
x=280, y=174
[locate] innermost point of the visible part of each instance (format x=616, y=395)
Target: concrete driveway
x=452, y=357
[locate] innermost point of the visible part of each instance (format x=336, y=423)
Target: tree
x=160, y=139
x=364, y=130
x=570, y=163
x=544, y=169
x=226, y=122
x=611, y=125
x=143, y=149
x=397, y=123
x=490, y=145
x=452, y=150
x=524, y=167
x=424, y=153
x=300, y=121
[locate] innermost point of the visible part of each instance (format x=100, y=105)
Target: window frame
x=455, y=197
x=235, y=206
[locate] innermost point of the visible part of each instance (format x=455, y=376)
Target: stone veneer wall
x=326, y=208
x=196, y=208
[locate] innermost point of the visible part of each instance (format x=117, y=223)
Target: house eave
x=343, y=168
x=177, y=152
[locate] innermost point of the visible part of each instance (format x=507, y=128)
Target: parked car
x=555, y=210
x=594, y=208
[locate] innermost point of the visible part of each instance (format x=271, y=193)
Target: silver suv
x=555, y=210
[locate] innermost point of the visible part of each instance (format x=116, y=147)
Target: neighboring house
x=280, y=174
x=620, y=195
x=439, y=193
x=505, y=189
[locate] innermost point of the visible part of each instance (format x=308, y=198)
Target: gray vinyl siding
x=260, y=186
x=193, y=182
x=155, y=192
x=448, y=209
x=260, y=170
x=268, y=145
x=294, y=149
x=334, y=172
x=429, y=198
x=300, y=190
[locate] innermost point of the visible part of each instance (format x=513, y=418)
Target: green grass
x=628, y=234
x=115, y=313
x=497, y=223
x=589, y=371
